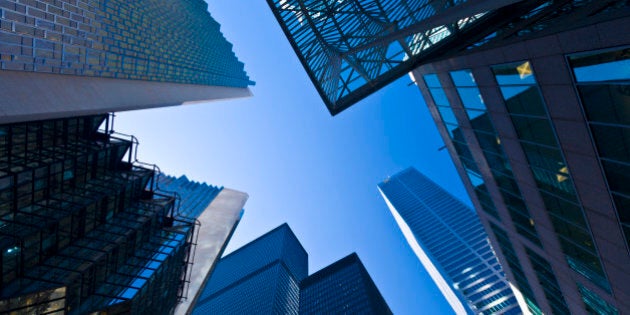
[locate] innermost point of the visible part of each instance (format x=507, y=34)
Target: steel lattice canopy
x=351, y=48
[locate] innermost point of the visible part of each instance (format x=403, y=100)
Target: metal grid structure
x=81, y=227
x=351, y=48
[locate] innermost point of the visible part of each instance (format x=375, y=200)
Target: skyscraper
x=68, y=58
x=261, y=277
x=449, y=240
x=344, y=286
x=217, y=210
x=83, y=227
x=269, y=276
x=532, y=112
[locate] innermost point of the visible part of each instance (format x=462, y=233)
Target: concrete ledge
x=217, y=224
x=28, y=96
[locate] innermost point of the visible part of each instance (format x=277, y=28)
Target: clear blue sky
x=300, y=165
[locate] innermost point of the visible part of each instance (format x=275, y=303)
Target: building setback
x=449, y=240
x=269, y=276
x=532, y=110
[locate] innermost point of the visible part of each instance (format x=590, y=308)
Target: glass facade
x=460, y=144
x=526, y=107
x=493, y=151
x=260, y=277
x=82, y=229
x=352, y=48
x=179, y=42
x=595, y=304
x=603, y=82
x=344, y=287
x=194, y=197
x=451, y=236
x=269, y=276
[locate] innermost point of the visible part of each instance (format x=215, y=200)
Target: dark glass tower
x=261, y=277
x=269, y=276
x=345, y=287
x=534, y=120
x=83, y=229
x=449, y=240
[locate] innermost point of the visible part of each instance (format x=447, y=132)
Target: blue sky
x=300, y=165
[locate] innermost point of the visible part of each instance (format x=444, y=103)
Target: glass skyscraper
x=82, y=228
x=261, y=277
x=342, y=287
x=449, y=240
x=269, y=276
x=530, y=99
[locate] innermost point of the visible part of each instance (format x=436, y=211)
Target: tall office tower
x=532, y=110
x=269, y=276
x=261, y=277
x=345, y=287
x=82, y=227
x=536, y=123
x=451, y=244
x=216, y=210
x=68, y=58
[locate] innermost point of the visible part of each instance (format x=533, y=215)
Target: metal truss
x=351, y=48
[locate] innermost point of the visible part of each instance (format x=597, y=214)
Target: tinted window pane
x=432, y=80
x=514, y=74
x=481, y=122
x=535, y=130
x=439, y=98
x=471, y=98
x=608, y=103
x=524, y=100
x=543, y=157
x=447, y=115
x=612, y=142
x=463, y=78
x=594, y=67
x=618, y=176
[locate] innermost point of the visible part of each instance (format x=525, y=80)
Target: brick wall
x=156, y=40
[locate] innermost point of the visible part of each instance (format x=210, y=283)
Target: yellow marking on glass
x=524, y=70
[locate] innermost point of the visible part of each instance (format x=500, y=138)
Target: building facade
x=84, y=230
x=261, y=277
x=343, y=287
x=120, y=55
x=530, y=101
x=217, y=211
x=535, y=121
x=83, y=227
x=270, y=276
x=451, y=243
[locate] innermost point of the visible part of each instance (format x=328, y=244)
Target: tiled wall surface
x=174, y=41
